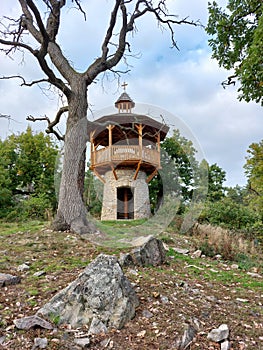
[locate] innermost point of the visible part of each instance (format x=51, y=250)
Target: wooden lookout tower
x=125, y=156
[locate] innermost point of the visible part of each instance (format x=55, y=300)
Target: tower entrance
x=125, y=203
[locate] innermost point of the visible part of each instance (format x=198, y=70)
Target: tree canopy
x=27, y=171
x=237, y=44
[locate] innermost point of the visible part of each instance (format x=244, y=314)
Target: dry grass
x=216, y=240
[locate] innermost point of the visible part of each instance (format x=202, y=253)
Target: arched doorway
x=125, y=203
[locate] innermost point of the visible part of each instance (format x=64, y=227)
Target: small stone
x=82, y=342
x=164, y=299
x=39, y=273
x=254, y=274
x=234, y=266
x=6, y=279
x=187, y=338
x=196, y=254
x=181, y=250
x=242, y=300
x=32, y=321
x=23, y=267
x=225, y=345
x=2, y=339
x=218, y=256
x=147, y=314
x=141, y=334
x=219, y=334
x=40, y=343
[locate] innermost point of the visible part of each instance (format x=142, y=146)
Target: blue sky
x=185, y=83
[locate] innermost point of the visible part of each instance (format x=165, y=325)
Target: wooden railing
x=113, y=154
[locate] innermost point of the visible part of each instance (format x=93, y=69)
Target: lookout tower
x=125, y=156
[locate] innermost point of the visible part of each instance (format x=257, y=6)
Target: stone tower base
x=125, y=198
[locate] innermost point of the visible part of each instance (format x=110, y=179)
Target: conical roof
x=124, y=97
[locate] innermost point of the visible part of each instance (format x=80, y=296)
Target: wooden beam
x=99, y=176
x=114, y=172
x=137, y=170
x=151, y=176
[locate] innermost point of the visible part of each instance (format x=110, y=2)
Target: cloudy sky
x=184, y=86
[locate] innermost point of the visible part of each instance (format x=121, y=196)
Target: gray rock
x=6, y=279
x=101, y=291
x=197, y=254
x=164, y=299
x=97, y=327
x=39, y=273
x=150, y=252
x=187, y=338
x=147, y=314
x=219, y=334
x=126, y=260
x=181, y=250
x=23, y=267
x=2, y=339
x=40, y=343
x=82, y=342
x=225, y=345
x=32, y=321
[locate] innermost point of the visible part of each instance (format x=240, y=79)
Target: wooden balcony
x=127, y=154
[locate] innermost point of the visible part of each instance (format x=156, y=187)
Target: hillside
x=187, y=289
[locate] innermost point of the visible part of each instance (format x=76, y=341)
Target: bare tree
x=43, y=25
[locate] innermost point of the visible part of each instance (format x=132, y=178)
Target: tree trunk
x=72, y=213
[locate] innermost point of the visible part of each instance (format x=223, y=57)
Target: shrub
x=31, y=208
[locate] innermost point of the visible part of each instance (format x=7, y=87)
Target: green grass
x=8, y=228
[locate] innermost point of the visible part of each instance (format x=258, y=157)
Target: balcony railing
x=120, y=154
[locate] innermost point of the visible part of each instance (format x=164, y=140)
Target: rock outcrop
x=100, y=295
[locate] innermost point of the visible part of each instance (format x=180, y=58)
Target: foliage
x=230, y=214
x=26, y=175
x=237, y=44
x=179, y=170
x=93, y=193
x=254, y=172
x=216, y=178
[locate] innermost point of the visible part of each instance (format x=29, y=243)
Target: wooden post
x=92, y=155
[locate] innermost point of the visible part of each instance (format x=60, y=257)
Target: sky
x=184, y=85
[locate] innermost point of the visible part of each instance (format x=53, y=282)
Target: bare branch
x=81, y=9
x=51, y=124
x=23, y=79
x=231, y=80
x=141, y=7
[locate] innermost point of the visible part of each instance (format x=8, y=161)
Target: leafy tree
x=254, y=172
x=179, y=169
x=237, y=44
x=41, y=21
x=216, y=178
x=27, y=169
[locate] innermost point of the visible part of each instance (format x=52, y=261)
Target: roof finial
x=124, y=86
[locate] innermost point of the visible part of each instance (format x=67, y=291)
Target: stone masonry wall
x=125, y=179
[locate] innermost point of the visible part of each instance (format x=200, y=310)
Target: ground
x=184, y=290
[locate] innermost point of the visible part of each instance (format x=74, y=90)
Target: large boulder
x=101, y=293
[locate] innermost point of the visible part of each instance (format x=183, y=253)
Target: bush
x=31, y=208
x=229, y=214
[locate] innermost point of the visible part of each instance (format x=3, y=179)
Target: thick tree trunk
x=72, y=213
